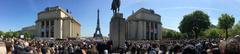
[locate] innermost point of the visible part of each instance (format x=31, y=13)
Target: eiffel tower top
x=98, y=24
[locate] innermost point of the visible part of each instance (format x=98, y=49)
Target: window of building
x=156, y=37
x=42, y=34
x=52, y=29
x=147, y=36
x=47, y=34
x=156, y=25
x=47, y=23
x=52, y=22
x=42, y=24
x=52, y=34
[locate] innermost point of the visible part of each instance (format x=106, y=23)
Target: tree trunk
x=226, y=33
x=196, y=35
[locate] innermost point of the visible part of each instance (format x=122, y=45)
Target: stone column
x=147, y=30
x=45, y=25
x=144, y=30
x=128, y=31
x=149, y=33
x=153, y=28
x=70, y=30
x=157, y=31
x=49, y=28
x=41, y=28
x=38, y=27
x=60, y=21
x=140, y=31
x=58, y=28
x=160, y=31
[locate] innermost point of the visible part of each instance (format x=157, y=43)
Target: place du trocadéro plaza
x=119, y=27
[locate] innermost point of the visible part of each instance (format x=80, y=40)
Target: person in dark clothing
x=138, y=50
x=133, y=50
x=216, y=51
x=176, y=49
x=61, y=50
x=189, y=49
x=101, y=47
x=70, y=50
x=109, y=46
x=44, y=50
x=171, y=50
x=163, y=48
x=149, y=49
x=78, y=51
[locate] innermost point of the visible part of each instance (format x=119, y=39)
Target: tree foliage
x=11, y=34
x=8, y=35
x=168, y=33
x=236, y=29
x=16, y=34
x=213, y=33
x=1, y=33
x=225, y=22
x=194, y=23
x=26, y=35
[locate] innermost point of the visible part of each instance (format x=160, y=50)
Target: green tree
x=165, y=33
x=8, y=35
x=194, y=23
x=225, y=22
x=236, y=29
x=16, y=34
x=178, y=35
x=1, y=33
x=213, y=33
x=26, y=35
x=168, y=33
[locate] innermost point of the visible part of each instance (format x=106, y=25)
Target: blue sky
x=15, y=14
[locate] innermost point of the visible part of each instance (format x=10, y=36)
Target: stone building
x=144, y=24
x=54, y=22
x=29, y=29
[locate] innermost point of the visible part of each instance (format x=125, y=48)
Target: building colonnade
x=144, y=30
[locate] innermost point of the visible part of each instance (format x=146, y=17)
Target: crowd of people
x=19, y=46
x=180, y=46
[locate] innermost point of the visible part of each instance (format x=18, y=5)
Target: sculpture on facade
x=115, y=6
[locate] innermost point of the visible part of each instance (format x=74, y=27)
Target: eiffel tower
x=99, y=34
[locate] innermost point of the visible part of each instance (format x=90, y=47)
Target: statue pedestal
x=117, y=30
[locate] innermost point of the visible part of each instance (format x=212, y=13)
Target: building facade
x=29, y=29
x=54, y=22
x=144, y=24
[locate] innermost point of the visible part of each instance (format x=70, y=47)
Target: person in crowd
x=231, y=46
x=189, y=49
x=168, y=46
x=3, y=48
